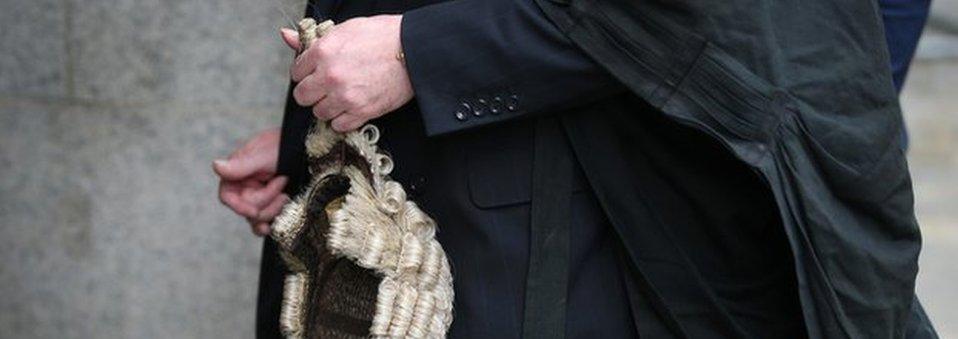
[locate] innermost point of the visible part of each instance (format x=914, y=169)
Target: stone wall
x=110, y=113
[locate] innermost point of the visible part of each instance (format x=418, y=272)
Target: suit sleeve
x=478, y=62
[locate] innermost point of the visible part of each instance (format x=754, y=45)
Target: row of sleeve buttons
x=479, y=107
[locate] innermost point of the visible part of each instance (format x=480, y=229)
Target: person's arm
x=476, y=62
x=904, y=21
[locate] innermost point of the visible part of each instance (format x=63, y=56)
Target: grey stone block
x=33, y=48
x=944, y=15
x=937, y=45
x=204, y=52
x=111, y=226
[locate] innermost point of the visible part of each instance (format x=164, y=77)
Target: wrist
x=396, y=33
x=400, y=56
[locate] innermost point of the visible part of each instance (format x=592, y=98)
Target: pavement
x=930, y=106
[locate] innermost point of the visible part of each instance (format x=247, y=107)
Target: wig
x=363, y=260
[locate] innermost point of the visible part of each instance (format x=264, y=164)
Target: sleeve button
x=496, y=106
x=462, y=114
x=513, y=103
x=479, y=108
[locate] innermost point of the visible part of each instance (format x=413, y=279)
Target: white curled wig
x=352, y=210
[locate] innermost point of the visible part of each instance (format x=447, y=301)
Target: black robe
x=801, y=93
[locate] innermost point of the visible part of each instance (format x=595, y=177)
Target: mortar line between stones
x=56, y=101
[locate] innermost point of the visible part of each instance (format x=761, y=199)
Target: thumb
x=237, y=168
x=291, y=38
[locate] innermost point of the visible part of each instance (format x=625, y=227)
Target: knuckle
x=248, y=195
x=304, y=93
x=311, y=51
x=338, y=125
x=352, y=100
x=321, y=112
x=260, y=196
x=299, y=95
x=321, y=49
x=334, y=76
x=298, y=71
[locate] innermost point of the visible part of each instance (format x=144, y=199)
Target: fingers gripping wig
x=363, y=260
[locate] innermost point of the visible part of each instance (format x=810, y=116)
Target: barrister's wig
x=363, y=260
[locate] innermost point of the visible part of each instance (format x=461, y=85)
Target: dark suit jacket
x=476, y=184
x=695, y=209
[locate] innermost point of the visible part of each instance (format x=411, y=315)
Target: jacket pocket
x=499, y=165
